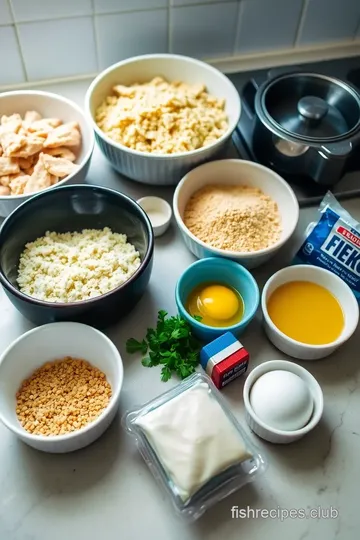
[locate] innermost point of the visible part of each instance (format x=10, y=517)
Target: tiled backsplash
x=47, y=39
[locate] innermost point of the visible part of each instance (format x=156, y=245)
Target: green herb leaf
x=147, y=362
x=171, y=344
x=165, y=374
x=133, y=346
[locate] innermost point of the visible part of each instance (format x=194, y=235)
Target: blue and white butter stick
x=224, y=359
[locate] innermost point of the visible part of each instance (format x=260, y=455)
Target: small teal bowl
x=226, y=272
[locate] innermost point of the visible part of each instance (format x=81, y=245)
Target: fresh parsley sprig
x=171, y=344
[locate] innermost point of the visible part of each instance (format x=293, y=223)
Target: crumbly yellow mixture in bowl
x=162, y=117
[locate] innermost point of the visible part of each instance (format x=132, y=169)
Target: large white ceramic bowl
x=332, y=283
x=51, y=342
x=237, y=172
x=51, y=106
x=266, y=432
x=143, y=166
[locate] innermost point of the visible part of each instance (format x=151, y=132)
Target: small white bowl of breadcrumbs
x=236, y=209
x=60, y=386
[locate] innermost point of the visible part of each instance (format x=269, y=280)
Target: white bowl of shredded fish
x=159, y=115
x=235, y=209
x=45, y=141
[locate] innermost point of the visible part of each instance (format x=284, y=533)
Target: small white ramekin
x=267, y=432
x=53, y=342
x=161, y=169
x=162, y=208
x=330, y=281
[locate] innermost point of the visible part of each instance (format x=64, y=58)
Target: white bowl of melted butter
x=317, y=314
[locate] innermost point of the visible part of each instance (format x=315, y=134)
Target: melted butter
x=306, y=312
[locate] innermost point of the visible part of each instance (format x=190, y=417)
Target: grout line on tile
x=182, y=6
x=357, y=31
x=130, y=11
x=47, y=19
x=170, y=27
x=62, y=17
x=17, y=37
x=301, y=22
x=201, y=3
x=240, y=11
x=47, y=82
x=286, y=57
x=97, y=14
x=96, y=36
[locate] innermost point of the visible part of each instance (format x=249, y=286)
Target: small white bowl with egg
x=237, y=172
x=335, y=285
x=283, y=401
x=51, y=342
x=151, y=168
x=49, y=105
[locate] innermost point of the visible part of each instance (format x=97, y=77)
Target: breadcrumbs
x=75, y=266
x=233, y=218
x=61, y=397
x=162, y=117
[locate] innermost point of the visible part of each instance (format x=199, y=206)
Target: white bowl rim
x=160, y=203
x=225, y=252
x=122, y=147
x=21, y=432
x=87, y=156
x=343, y=336
x=278, y=365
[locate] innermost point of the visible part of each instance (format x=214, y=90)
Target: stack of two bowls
x=283, y=401
x=69, y=208
x=222, y=266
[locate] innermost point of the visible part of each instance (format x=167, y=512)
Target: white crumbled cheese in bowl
x=76, y=266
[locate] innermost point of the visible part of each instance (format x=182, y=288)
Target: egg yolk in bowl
x=216, y=304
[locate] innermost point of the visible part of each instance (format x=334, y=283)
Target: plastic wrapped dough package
x=193, y=445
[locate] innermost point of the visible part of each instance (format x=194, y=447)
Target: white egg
x=282, y=400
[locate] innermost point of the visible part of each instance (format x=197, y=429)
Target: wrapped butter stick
x=333, y=243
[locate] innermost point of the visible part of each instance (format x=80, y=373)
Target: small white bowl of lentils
x=60, y=386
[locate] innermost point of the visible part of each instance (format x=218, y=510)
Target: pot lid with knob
x=309, y=108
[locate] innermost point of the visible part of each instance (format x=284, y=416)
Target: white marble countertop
x=106, y=491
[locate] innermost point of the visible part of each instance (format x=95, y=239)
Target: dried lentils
x=233, y=218
x=61, y=397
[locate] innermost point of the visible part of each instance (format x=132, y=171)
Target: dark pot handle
x=339, y=150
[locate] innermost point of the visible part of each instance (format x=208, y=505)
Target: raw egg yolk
x=218, y=302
